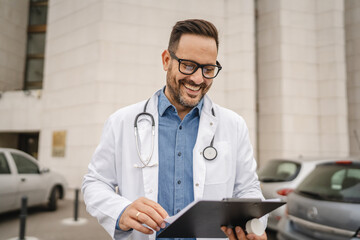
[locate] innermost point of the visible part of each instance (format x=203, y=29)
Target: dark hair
x=192, y=26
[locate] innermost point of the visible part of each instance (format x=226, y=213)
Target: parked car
x=21, y=175
x=326, y=205
x=279, y=177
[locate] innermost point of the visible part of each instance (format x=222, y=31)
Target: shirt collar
x=164, y=104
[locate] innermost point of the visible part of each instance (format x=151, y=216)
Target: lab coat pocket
x=218, y=171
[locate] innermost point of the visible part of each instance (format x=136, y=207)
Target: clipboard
x=203, y=218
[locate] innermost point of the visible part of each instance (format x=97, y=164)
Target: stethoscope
x=209, y=152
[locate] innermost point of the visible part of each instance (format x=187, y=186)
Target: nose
x=197, y=76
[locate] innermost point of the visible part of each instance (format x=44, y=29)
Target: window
x=333, y=182
x=4, y=166
x=29, y=143
x=24, y=165
x=36, y=44
x=279, y=171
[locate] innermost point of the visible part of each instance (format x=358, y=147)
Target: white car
x=279, y=177
x=21, y=175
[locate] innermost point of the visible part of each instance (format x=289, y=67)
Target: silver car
x=21, y=175
x=279, y=177
x=326, y=205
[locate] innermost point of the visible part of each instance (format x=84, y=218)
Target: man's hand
x=240, y=234
x=143, y=211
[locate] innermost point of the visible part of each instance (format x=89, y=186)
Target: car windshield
x=333, y=182
x=279, y=171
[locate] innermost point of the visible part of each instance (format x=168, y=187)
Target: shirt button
x=196, y=184
x=179, y=154
x=180, y=127
x=179, y=182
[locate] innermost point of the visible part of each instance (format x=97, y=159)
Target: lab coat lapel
x=207, y=127
x=150, y=174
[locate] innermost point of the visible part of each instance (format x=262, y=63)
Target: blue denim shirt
x=176, y=142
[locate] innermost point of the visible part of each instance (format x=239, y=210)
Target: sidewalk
x=45, y=225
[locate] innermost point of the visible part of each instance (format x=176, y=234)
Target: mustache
x=190, y=82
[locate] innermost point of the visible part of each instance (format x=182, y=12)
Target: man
x=157, y=176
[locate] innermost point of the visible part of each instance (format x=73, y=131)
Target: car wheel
x=54, y=196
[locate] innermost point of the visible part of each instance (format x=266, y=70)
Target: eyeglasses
x=189, y=67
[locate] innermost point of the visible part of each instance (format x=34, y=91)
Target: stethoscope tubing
x=145, y=162
x=209, y=152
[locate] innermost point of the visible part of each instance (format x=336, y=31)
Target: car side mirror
x=44, y=170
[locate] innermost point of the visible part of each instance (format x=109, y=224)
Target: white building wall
x=352, y=21
x=299, y=73
x=270, y=143
x=13, y=34
x=333, y=114
x=302, y=81
x=71, y=89
x=239, y=62
x=20, y=111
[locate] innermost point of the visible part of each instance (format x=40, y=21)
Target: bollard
x=75, y=221
x=23, y=215
x=76, y=207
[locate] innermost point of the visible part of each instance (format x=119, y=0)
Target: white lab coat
x=231, y=174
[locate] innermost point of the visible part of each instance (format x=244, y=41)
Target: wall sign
x=58, y=143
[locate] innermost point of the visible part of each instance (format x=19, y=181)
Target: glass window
x=24, y=165
x=333, y=182
x=34, y=71
x=279, y=171
x=337, y=179
x=38, y=13
x=36, y=43
x=4, y=166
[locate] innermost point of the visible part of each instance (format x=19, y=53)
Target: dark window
x=29, y=143
x=34, y=69
x=24, y=165
x=334, y=182
x=4, y=166
x=279, y=171
x=38, y=12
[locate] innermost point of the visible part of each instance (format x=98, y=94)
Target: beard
x=179, y=95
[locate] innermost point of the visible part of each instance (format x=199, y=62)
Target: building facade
x=291, y=68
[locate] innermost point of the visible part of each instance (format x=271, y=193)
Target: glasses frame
x=218, y=65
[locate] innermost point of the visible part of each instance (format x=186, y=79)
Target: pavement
x=59, y=225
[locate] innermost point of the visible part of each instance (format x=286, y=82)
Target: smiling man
x=187, y=81
x=185, y=146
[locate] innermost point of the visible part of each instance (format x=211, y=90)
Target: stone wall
x=352, y=20
x=13, y=35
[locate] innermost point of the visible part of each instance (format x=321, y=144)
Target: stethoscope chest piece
x=210, y=153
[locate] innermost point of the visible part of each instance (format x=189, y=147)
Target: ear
x=165, y=56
